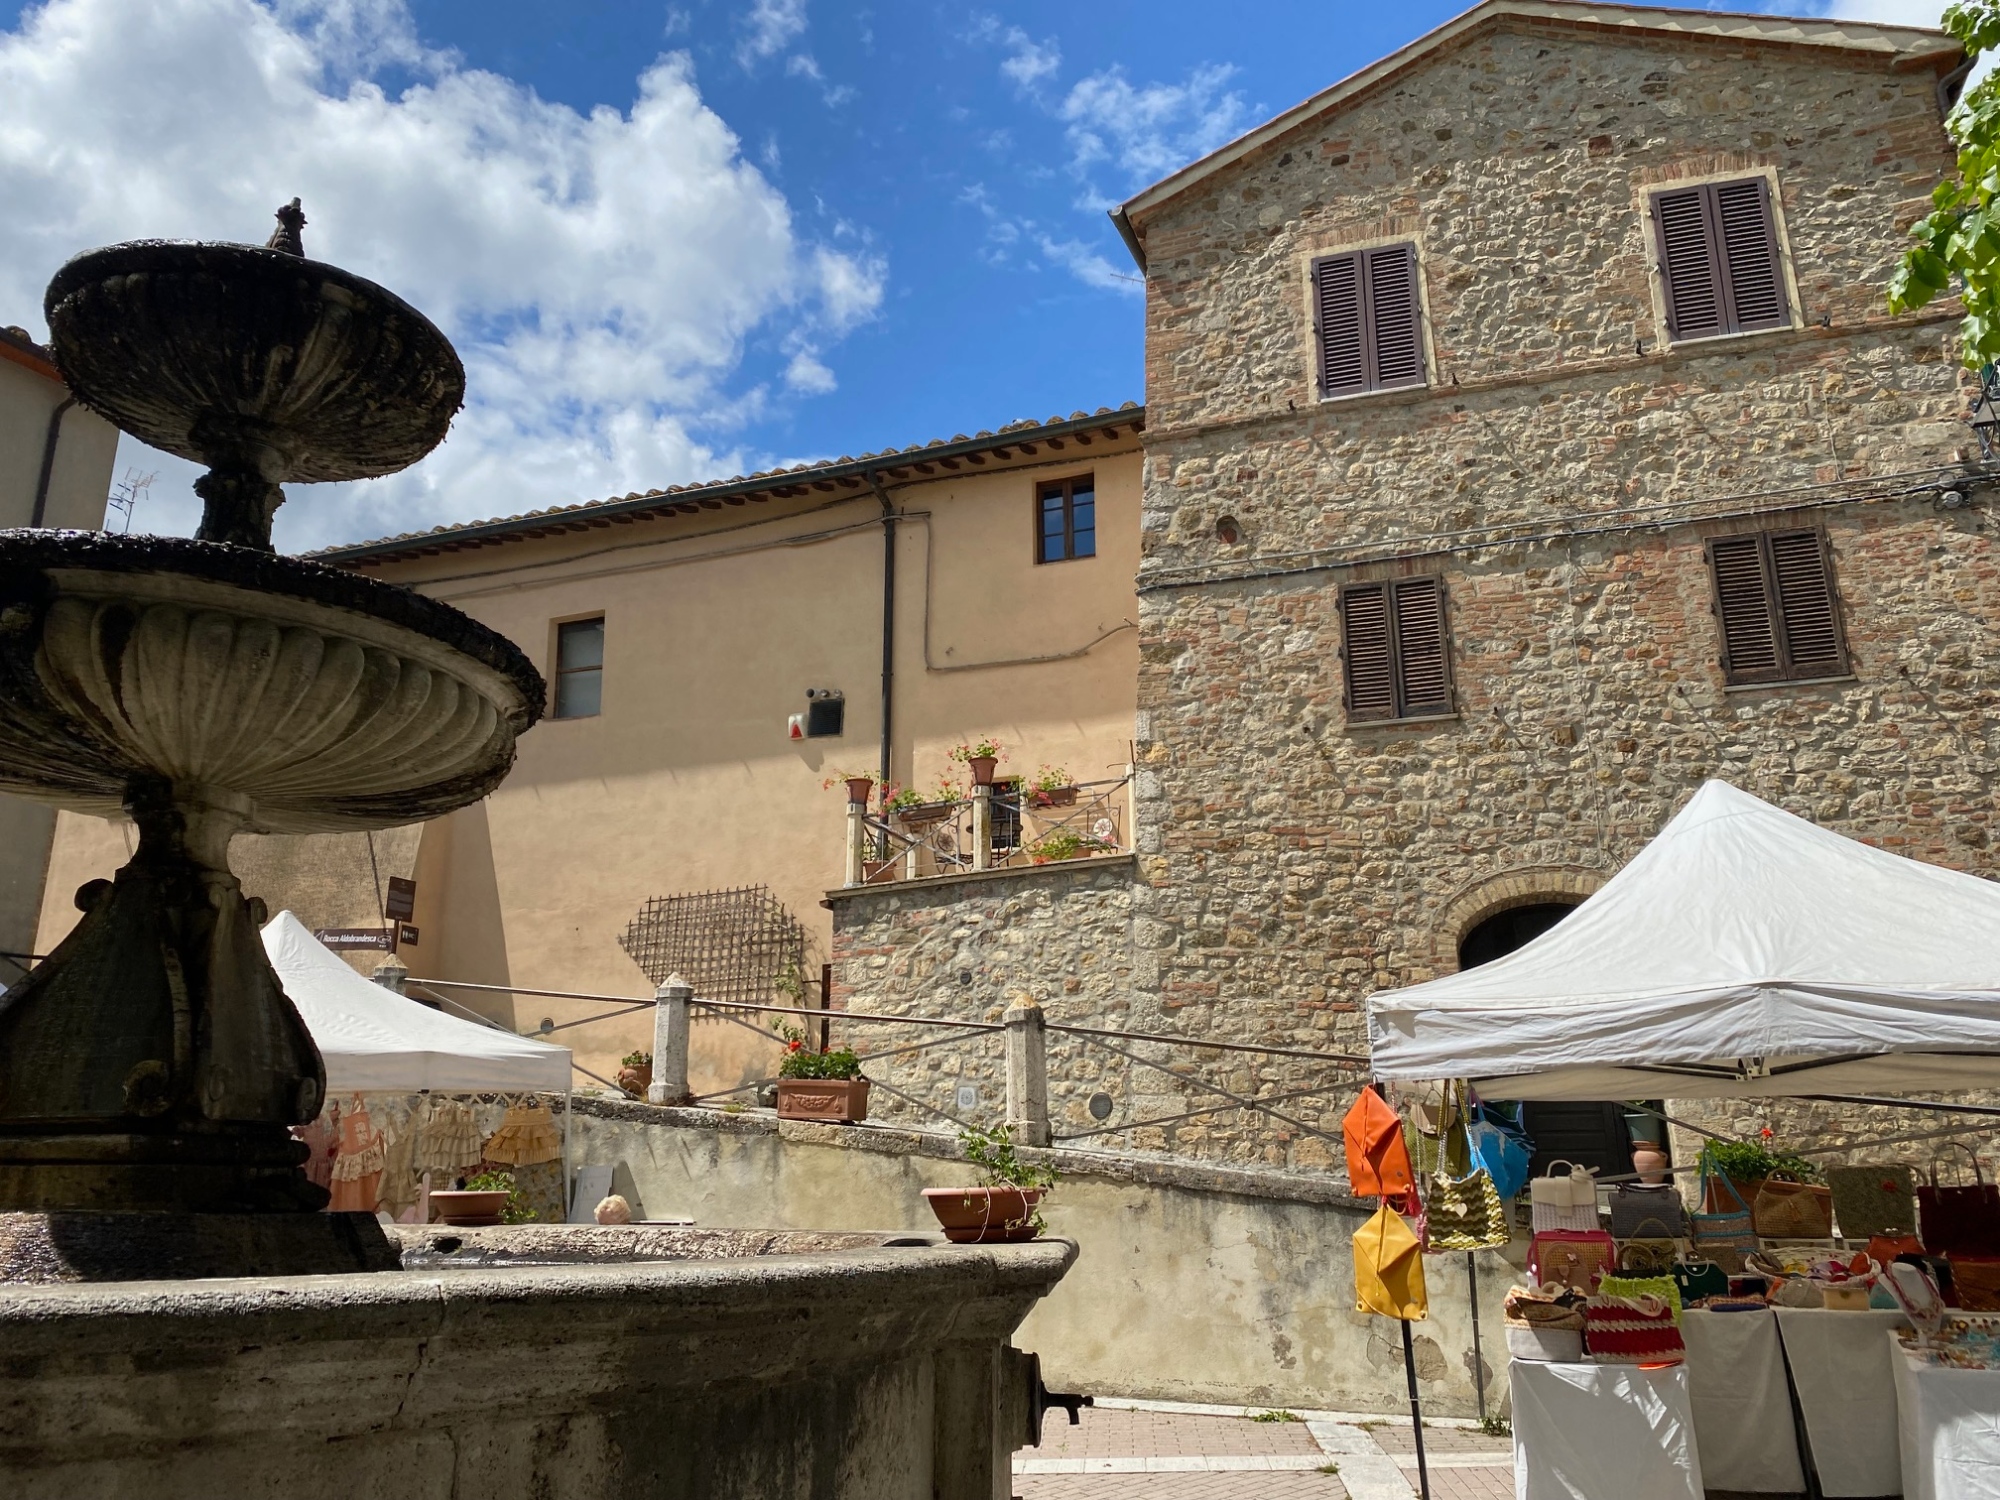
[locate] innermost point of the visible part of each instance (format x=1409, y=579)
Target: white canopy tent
x=374, y=1040
x=1743, y=952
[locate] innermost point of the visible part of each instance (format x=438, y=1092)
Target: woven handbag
x=1574, y=1258
x=1464, y=1213
x=1634, y=1204
x=1727, y=1237
x=1566, y=1202
x=1632, y=1331
x=1650, y=1251
x=1868, y=1201
x=1959, y=1220
x=1663, y=1287
x=1975, y=1283
x=1787, y=1209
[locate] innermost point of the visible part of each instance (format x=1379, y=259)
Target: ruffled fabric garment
x=322, y=1139
x=357, y=1171
x=526, y=1136
x=448, y=1138
x=398, y=1192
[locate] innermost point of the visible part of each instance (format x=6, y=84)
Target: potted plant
x=1648, y=1134
x=934, y=806
x=858, y=783
x=1746, y=1166
x=979, y=757
x=635, y=1075
x=1066, y=843
x=1006, y=1206
x=898, y=799
x=1051, y=787
x=819, y=1085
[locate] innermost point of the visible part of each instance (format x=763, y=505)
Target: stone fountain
x=209, y=687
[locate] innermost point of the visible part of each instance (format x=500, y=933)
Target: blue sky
x=674, y=241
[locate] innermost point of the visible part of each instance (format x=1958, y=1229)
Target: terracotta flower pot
x=1055, y=796
x=635, y=1081
x=1716, y=1199
x=858, y=788
x=469, y=1210
x=981, y=767
x=1650, y=1162
x=924, y=814
x=985, y=1215
x=844, y=1101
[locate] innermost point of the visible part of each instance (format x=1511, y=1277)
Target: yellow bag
x=1389, y=1268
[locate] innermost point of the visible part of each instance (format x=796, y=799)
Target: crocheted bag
x=1632, y=1331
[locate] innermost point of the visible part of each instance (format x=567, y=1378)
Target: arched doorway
x=1590, y=1134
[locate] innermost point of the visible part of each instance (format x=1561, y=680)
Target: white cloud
x=1888, y=12
x=769, y=28
x=1028, y=62
x=806, y=373
x=1145, y=132
x=805, y=65
x=1091, y=268
x=601, y=274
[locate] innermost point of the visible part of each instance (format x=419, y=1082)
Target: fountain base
x=48, y=1248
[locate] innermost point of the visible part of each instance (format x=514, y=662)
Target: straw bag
x=1632, y=1331
x=1389, y=1268
x=1574, y=1258
x=1868, y=1201
x=1787, y=1209
x=1544, y=1323
x=1644, y=1254
x=1378, y=1164
x=1960, y=1220
x=1568, y=1202
x=1724, y=1238
x=1636, y=1204
x=1464, y=1213
x=1975, y=1283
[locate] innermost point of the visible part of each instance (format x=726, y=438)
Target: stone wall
x=1560, y=473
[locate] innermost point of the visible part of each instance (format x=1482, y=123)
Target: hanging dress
x=527, y=1135
x=357, y=1171
x=449, y=1139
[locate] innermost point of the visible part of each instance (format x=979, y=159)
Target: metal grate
x=729, y=945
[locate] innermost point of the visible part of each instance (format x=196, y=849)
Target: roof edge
x=17, y=348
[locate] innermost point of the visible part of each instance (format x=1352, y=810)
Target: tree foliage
x=1959, y=240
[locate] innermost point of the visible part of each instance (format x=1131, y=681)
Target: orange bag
x=1378, y=1163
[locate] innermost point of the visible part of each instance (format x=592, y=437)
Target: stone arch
x=1490, y=895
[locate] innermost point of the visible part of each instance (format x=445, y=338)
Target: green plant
x=790, y=983
x=637, y=1060
x=1050, y=779
x=517, y=1210
x=733, y=1107
x=802, y=1062
x=841, y=778
x=895, y=798
x=1277, y=1414
x=992, y=1151
x=1066, y=843
x=1496, y=1426
x=979, y=749
x=1740, y=1161
x=1327, y=1469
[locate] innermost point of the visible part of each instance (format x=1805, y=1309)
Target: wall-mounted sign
x=401, y=903
x=407, y=936
x=342, y=939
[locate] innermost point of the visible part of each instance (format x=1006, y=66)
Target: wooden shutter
x=1366, y=648
x=1775, y=600
x=1719, y=259
x=1743, y=605
x=1337, y=316
x=1395, y=343
x=1808, y=612
x=1422, y=672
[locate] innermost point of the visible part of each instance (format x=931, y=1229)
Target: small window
x=1395, y=649
x=1775, y=601
x=1366, y=316
x=826, y=716
x=1066, y=519
x=1718, y=246
x=580, y=668
x=1005, y=837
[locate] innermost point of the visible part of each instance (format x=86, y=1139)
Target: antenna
x=125, y=496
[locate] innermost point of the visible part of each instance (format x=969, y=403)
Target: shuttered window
x=1366, y=314
x=1775, y=601
x=1395, y=648
x=1718, y=247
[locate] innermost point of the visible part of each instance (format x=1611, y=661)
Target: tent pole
x=1478, y=1360
x=569, y=1111
x=1416, y=1411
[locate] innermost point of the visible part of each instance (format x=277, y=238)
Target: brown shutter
x=1337, y=315
x=1743, y=606
x=1688, y=265
x=1807, y=609
x=1365, y=646
x=1756, y=288
x=1423, y=676
x=1395, y=343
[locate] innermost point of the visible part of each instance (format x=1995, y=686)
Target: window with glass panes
x=1066, y=519
x=579, y=668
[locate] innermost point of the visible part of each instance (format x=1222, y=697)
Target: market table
x=1847, y=1393
x=1948, y=1427
x=1742, y=1403
x=1603, y=1430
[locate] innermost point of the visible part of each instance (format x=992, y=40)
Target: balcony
x=1003, y=827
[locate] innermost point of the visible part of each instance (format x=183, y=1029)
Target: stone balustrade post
x=1027, y=1072
x=982, y=827
x=392, y=974
x=857, y=841
x=670, y=1043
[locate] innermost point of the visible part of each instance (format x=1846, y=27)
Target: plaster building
x=55, y=470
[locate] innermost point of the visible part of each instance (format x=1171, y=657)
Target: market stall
x=413, y=1093
x=1746, y=953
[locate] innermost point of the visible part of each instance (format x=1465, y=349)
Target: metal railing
x=996, y=828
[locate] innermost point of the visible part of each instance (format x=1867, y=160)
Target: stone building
x=1527, y=441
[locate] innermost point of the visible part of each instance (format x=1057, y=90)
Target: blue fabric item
x=1502, y=1147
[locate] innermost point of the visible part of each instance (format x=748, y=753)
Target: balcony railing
x=996, y=828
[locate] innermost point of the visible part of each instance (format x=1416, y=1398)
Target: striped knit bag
x=1631, y=1331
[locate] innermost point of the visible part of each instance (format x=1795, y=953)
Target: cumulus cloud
x=601, y=274
x=1028, y=62
x=1143, y=132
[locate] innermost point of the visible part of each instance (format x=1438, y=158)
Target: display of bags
x=1544, y=1323
x=1568, y=1201
x=1389, y=1268
x=1883, y=1248
x=1631, y=1331
x=1378, y=1163
x=1871, y=1201
x=1575, y=1258
x=1464, y=1213
x=1961, y=1220
x=1500, y=1145
x=1725, y=1237
x=1700, y=1280
x=1651, y=1251
x=1788, y=1209
x=1636, y=1203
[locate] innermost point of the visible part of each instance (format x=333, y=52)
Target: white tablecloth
x=1611, y=1432
x=1742, y=1403
x=1949, y=1423
x=1847, y=1393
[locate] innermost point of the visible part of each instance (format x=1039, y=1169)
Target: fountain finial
x=291, y=219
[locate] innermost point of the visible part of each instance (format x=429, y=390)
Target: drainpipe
x=888, y=619
x=48, y=462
